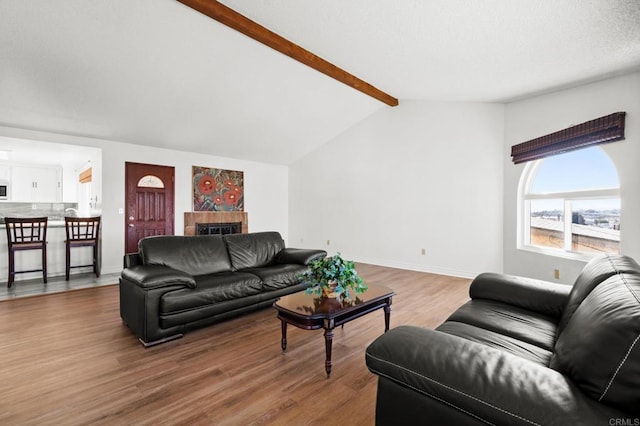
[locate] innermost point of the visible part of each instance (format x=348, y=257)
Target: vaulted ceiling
x=155, y=72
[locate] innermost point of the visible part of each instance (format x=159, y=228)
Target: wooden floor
x=67, y=359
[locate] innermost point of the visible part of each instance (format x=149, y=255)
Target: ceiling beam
x=246, y=26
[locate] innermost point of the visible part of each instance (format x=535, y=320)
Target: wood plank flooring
x=67, y=359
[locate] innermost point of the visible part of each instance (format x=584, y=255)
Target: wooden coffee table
x=311, y=312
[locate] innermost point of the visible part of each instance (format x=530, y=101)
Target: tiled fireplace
x=208, y=220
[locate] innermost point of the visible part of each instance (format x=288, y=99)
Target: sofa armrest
x=157, y=276
x=299, y=256
x=132, y=259
x=484, y=383
x=535, y=295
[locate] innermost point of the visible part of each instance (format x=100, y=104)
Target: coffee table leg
x=328, y=340
x=283, y=342
x=387, y=316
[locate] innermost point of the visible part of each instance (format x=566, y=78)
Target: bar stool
x=82, y=232
x=26, y=234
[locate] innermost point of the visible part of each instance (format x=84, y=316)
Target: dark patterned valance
x=601, y=130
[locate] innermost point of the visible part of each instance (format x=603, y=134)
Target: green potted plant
x=333, y=276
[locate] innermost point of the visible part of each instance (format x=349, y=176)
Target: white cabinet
x=36, y=184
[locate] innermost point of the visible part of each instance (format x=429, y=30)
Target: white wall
x=420, y=175
x=531, y=118
x=265, y=186
x=430, y=175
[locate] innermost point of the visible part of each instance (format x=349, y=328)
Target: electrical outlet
x=423, y=252
x=328, y=242
x=556, y=274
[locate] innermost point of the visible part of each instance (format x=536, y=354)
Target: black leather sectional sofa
x=177, y=283
x=521, y=351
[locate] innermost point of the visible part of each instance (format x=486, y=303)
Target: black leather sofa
x=177, y=283
x=521, y=351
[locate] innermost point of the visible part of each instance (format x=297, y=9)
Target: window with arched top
x=150, y=181
x=569, y=204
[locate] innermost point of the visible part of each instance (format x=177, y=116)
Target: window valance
x=605, y=129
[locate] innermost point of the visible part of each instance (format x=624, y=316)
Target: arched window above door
x=150, y=181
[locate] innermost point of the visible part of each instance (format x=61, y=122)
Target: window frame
x=524, y=211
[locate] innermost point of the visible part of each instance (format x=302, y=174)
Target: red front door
x=150, y=199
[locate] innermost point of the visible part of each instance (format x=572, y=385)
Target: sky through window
x=584, y=169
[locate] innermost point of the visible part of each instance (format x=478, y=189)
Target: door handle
x=131, y=225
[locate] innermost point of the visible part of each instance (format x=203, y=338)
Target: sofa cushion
x=599, y=346
x=508, y=320
x=278, y=276
x=211, y=289
x=496, y=340
x=596, y=271
x=253, y=250
x=195, y=255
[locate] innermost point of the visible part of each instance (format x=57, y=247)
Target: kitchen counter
x=50, y=224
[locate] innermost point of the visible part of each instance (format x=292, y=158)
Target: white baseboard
x=417, y=267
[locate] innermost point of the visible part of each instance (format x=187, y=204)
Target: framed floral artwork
x=217, y=190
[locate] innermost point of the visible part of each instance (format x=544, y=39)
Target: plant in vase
x=333, y=276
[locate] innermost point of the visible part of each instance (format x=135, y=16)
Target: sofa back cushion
x=599, y=349
x=195, y=255
x=253, y=250
x=596, y=271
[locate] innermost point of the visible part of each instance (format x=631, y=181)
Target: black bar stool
x=26, y=234
x=82, y=232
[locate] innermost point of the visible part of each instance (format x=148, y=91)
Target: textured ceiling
x=155, y=72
